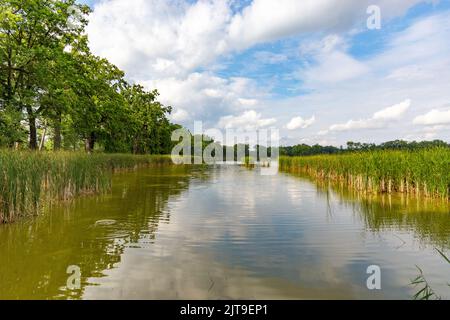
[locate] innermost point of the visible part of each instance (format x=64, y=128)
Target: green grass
x=424, y=291
x=248, y=162
x=422, y=172
x=29, y=179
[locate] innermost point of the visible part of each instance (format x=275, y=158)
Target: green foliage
x=425, y=292
x=10, y=129
x=27, y=179
x=306, y=150
x=424, y=171
x=52, y=83
x=249, y=162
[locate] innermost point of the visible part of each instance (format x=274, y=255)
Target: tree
x=33, y=32
x=148, y=119
x=50, y=80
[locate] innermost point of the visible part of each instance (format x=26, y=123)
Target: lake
x=225, y=232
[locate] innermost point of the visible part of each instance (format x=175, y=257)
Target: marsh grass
x=425, y=292
x=29, y=179
x=421, y=172
x=248, y=162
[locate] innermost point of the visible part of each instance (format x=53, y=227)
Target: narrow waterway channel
x=224, y=232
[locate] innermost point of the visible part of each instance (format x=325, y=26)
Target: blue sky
x=315, y=72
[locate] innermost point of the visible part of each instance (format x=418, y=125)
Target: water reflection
x=225, y=232
x=428, y=219
x=35, y=253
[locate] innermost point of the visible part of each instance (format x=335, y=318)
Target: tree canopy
x=55, y=93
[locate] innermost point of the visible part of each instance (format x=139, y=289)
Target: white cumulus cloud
x=379, y=119
x=180, y=47
x=267, y=20
x=179, y=115
x=300, y=123
x=434, y=117
x=394, y=112
x=248, y=121
x=173, y=38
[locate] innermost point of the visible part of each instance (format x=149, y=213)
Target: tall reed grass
x=28, y=179
x=421, y=172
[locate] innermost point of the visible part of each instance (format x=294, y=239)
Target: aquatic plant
x=420, y=172
x=29, y=179
x=248, y=162
x=425, y=291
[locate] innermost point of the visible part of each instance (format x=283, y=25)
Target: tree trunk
x=41, y=145
x=57, y=133
x=33, y=129
x=90, y=143
x=136, y=144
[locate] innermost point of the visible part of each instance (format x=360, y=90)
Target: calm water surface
x=225, y=232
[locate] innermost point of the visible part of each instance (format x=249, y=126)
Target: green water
x=224, y=232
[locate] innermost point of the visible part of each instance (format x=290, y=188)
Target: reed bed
x=248, y=162
x=420, y=172
x=29, y=179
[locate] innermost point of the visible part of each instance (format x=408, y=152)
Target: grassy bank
x=28, y=179
x=422, y=172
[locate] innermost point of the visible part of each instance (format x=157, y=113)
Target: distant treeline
x=246, y=150
x=306, y=150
